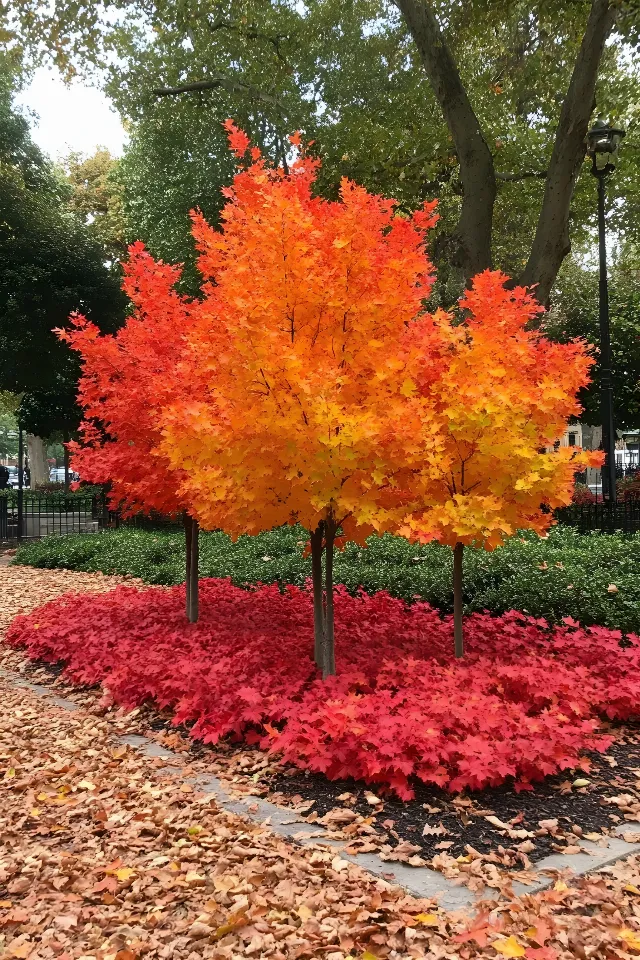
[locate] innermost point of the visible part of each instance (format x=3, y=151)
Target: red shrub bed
x=524, y=703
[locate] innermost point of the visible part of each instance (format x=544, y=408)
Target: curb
x=421, y=882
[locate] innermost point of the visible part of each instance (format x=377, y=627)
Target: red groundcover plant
x=525, y=703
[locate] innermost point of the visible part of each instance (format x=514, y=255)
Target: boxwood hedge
x=566, y=574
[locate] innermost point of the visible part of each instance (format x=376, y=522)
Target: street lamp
x=602, y=145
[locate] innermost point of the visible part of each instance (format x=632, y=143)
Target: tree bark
x=318, y=606
x=188, y=530
x=328, y=651
x=194, y=598
x=473, y=233
x=457, y=600
x=551, y=243
x=66, y=462
x=38, y=467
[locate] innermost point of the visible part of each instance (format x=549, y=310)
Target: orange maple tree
x=494, y=396
x=126, y=378
x=299, y=411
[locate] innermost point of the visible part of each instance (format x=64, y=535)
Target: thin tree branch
x=525, y=175
x=214, y=83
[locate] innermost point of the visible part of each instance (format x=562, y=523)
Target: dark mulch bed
x=463, y=818
x=554, y=798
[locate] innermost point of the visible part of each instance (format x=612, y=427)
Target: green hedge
x=579, y=568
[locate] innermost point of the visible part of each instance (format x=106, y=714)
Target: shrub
x=582, y=494
x=524, y=703
x=566, y=574
x=629, y=487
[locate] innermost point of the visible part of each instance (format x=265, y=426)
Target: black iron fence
x=623, y=515
x=33, y=515
x=42, y=514
x=36, y=515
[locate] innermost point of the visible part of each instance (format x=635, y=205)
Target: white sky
x=77, y=117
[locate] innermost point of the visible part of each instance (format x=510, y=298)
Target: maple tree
x=492, y=395
x=296, y=359
x=126, y=377
x=325, y=394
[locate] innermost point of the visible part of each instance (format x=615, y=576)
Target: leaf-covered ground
x=106, y=856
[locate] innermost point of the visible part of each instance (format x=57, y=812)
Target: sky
x=74, y=118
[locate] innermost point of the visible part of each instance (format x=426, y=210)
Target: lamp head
x=603, y=142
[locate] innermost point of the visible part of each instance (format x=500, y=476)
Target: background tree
x=483, y=104
x=96, y=198
x=575, y=314
x=49, y=266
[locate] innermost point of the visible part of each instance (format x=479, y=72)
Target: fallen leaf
x=509, y=947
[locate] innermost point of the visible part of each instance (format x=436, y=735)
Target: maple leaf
x=508, y=947
x=480, y=931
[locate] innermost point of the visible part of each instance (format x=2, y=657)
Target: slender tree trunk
x=66, y=462
x=457, y=599
x=38, y=466
x=188, y=530
x=328, y=652
x=195, y=557
x=318, y=606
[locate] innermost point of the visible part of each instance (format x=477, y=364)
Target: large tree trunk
x=38, y=467
x=188, y=531
x=194, y=597
x=318, y=606
x=458, y=637
x=473, y=233
x=551, y=243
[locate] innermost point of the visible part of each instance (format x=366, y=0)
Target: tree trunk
x=66, y=462
x=318, y=607
x=472, y=251
x=195, y=557
x=457, y=599
x=551, y=243
x=328, y=652
x=188, y=530
x=38, y=467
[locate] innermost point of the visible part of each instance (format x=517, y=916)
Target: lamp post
x=602, y=145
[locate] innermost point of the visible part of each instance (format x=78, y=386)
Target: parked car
x=13, y=477
x=56, y=475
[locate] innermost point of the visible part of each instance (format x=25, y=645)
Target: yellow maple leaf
x=630, y=938
x=124, y=873
x=509, y=947
x=428, y=919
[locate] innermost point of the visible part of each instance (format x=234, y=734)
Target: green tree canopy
x=575, y=314
x=483, y=104
x=49, y=267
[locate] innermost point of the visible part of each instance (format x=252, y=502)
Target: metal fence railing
x=623, y=515
x=42, y=514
